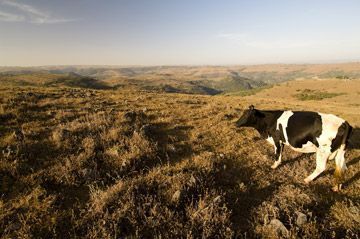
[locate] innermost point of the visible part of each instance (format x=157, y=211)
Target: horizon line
x=180, y=65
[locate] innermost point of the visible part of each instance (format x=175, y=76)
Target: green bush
x=308, y=94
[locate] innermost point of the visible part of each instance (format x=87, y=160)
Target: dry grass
x=105, y=164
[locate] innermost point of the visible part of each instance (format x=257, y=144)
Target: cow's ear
x=251, y=107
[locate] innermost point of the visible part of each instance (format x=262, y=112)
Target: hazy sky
x=183, y=32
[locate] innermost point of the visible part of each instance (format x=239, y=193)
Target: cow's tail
x=340, y=164
x=348, y=132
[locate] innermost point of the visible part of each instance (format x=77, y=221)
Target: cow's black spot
x=304, y=127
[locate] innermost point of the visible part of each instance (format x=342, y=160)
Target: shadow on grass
x=354, y=140
x=173, y=141
x=244, y=199
x=293, y=160
x=352, y=180
x=326, y=199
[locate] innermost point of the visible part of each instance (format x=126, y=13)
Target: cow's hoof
x=275, y=165
x=337, y=188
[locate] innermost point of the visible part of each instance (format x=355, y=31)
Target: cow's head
x=249, y=118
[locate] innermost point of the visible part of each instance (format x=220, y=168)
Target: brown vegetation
x=124, y=163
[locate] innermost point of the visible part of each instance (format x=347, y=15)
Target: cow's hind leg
x=321, y=158
x=340, y=167
x=278, y=154
x=333, y=155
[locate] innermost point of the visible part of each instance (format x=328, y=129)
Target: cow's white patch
x=272, y=142
x=330, y=127
x=283, y=120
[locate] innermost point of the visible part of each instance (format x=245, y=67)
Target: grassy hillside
x=77, y=162
x=150, y=83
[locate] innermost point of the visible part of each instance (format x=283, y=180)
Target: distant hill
x=47, y=79
x=208, y=80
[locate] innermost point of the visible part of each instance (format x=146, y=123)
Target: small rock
x=176, y=196
x=301, y=219
x=242, y=186
x=222, y=155
x=278, y=227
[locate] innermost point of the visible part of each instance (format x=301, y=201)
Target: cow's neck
x=262, y=127
x=267, y=124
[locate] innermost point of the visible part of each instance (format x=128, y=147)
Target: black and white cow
x=305, y=132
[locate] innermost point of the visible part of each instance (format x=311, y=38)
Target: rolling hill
x=208, y=80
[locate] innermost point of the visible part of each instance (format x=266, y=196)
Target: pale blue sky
x=184, y=32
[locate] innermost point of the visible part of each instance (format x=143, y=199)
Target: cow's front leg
x=321, y=158
x=279, y=146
